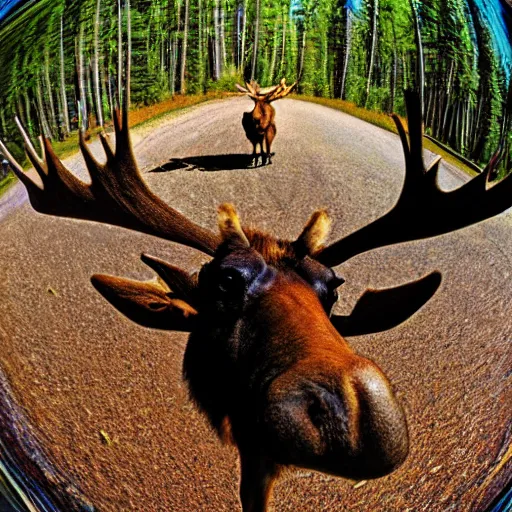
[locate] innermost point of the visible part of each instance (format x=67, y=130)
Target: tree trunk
x=183, y=86
x=108, y=86
x=372, y=49
x=273, y=62
x=3, y=132
x=302, y=53
x=448, y=94
x=466, y=130
x=244, y=35
x=450, y=138
x=89, y=90
x=283, y=46
x=200, y=45
x=81, y=85
x=256, y=40
x=348, y=45
x=48, y=87
x=161, y=47
x=393, y=73
x=420, y=65
x=40, y=108
x=175, y=46
x=95, y=66
x=458, y=127
x=405, y=72
x=216, y=36
x=21, y=113
x=325, y=85
x=30, y=124
x=223, y=37
x=429, y=114
x=64, y=99
x=119, y=53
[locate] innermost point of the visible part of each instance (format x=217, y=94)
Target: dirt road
x=79, y=367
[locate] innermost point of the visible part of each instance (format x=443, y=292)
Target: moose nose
x=356, y=430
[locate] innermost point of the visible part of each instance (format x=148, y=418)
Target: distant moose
x=266, y=361
x=259, y=124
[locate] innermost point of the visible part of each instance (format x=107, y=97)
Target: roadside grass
x=173, y=105
x=385, y=121
x=6, y=182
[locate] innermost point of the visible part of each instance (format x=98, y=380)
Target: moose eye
x=231, y=281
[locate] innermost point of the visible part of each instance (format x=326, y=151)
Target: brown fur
x=273, y=250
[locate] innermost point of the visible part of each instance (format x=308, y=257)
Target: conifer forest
x=362, y=51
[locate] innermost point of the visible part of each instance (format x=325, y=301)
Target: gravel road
x=79, y=367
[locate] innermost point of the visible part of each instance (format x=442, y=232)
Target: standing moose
x=259, y=124
x=266, y=361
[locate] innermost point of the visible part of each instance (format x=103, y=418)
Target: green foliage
x=227, y=81
x=6, y=182
x=326, y=44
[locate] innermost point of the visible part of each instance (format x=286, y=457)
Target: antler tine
x=253, y=87
x=422, y=209
x=107, y=148
x=268, y=91
x=37, y=162
x=271, y=92
x=242, y=89
x=31, y=187
x=282, y=90
x=28, y=143
x=117, y=194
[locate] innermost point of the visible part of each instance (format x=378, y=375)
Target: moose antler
x=117, y=193
x=423, y=210
x=268, y=93
x=281, y=90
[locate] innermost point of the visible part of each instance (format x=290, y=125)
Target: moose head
x=259, y=124
x=266, y=360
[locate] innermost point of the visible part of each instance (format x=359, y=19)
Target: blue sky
x=495, y=16
x=7, y=5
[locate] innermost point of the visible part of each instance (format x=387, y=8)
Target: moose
x=259, y=124
x=266, y=360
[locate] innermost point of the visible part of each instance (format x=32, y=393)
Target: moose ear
x=313, y=235
x=149, y=304
x=381, y=310
x=229, y=225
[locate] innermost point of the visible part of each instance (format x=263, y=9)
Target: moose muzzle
x=339, y=418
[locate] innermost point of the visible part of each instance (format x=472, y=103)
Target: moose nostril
x=326, y=407
x=316, y=412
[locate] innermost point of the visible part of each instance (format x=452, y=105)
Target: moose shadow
x=226, y=162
